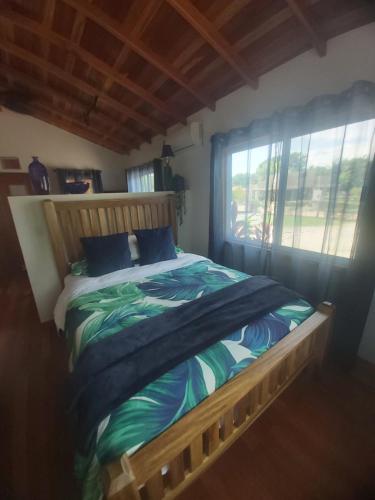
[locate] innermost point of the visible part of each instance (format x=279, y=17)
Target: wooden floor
x=316, y=442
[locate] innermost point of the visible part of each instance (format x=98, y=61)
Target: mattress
x=90, y=309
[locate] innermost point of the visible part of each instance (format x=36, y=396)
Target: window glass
x=253, y=183
x=325, y=177
x=312, y=189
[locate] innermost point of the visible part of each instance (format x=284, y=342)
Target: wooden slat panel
x=148, y=219
x=227, y=425
x=253, y=400
x=155, y=487
x=103, y=222
x=196, y=452
x=111, y=220
x=94, y=218
x=67, y=234
x=57, y=240
x=77, y=232
x=213, y=439
x=176, y=471
x=119, y=218
x=141, y=217
x=240, y=412
x=154, y=215
x=134, y=218
x=127, y=219
x=85, y=221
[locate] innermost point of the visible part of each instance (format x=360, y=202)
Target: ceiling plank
x=91, y=60
x=76, y=36
x=136, y=21
x=115, y=28
x=214, y=38
x=81, y=85
x=40, y=88
x=48, y=13
x=303, y=17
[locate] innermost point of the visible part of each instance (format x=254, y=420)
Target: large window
x=303, y=192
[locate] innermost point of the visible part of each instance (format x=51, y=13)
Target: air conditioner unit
x=188, y=137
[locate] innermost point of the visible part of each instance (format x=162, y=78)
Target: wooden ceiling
x=118, y=72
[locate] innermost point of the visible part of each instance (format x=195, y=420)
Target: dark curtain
x=65, y=175
x=322, y=274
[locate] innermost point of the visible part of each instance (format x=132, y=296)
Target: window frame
x=276, y=244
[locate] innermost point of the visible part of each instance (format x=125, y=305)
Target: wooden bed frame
x=193, y=443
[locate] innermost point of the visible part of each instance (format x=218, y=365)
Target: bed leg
x=119, y=481
x=324, y=337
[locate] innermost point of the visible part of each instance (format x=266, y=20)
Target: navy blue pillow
x=155, y=245
x=106, y=254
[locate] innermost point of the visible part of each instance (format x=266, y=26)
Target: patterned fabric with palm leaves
x=96, y=315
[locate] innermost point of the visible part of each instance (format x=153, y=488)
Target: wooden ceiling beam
x=81, y=85
x=135, y=22
x=76, y=50
x=215, y=39
x=300, y=12
x=75, y=38
x=115, y=28
x=41, y=88
x=186, y=55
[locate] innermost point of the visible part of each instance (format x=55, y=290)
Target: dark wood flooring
x=316, y=442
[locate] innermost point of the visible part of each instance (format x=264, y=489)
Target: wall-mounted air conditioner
x=188, y=137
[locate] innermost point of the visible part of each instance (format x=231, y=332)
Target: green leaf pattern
x=96, y=315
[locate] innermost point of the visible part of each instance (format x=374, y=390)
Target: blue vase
x=39, y=177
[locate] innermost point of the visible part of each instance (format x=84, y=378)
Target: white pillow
x=133, y=246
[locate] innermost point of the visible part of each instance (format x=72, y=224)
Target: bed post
x=56, y=238
x=325, y=333
x=119, y=481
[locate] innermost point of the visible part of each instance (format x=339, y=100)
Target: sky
x=324, y=146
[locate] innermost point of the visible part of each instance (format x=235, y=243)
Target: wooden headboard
x=68, y=221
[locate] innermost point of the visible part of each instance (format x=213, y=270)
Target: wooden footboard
x=193, y=443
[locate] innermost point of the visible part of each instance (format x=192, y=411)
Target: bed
x=157, y=442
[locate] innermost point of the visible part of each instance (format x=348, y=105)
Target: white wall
x=24, y=136
x=350, y=57
x=36, y=247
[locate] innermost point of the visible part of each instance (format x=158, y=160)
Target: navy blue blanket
x=112, y=370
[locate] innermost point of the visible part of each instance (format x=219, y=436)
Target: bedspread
x=101, y=312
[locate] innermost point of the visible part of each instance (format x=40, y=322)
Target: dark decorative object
x=77, y=187
x=179, y=187
x=39, y=177
x=76, y=176
x=166, y=155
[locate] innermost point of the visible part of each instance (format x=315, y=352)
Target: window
x=303, y=192
x=141, y=179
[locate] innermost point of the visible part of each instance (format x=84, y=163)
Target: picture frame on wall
x=9, y=163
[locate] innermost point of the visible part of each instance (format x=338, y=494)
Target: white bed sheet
x=78, y=285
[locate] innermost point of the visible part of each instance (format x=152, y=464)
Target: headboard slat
x=68, y=221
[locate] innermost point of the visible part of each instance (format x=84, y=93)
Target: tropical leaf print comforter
x=101, y=312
